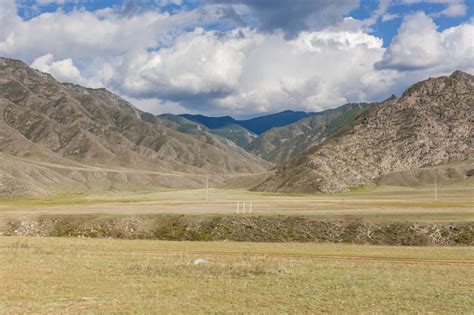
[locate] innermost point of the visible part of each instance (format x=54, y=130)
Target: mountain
x=53, y=133
x=210, y=122
x=431, y=124
x=235, y=133
x=280, y=144
x=257, y=125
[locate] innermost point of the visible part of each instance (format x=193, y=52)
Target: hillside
x=235, y=133
x=432, y=123
x=280, y=144
x=43, y=120
x=256, y=125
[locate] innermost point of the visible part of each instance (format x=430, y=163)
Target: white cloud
x=169, y=2
x=244, y=71
x=167, y=62
x=419, y=45
x=416, y=46
x=83, y=34
x=63, y=70
x=46, y=2
x=455, y=9
x=389, y=17
x=153, y=105
x=9, y=21
x=199, y=62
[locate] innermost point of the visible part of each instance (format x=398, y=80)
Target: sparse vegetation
x=252, y=228
x=51, y=275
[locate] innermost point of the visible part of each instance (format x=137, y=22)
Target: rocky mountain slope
x=280, y=144
x=432, y=123
x=43, y=120
x=236, y=133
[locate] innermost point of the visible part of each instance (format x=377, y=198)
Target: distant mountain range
x=57, y=137
x=257, y=125
x=282, y=143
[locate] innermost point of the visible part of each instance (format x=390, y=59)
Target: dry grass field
x=454, y=203
x=76, y=275
x=58, y=275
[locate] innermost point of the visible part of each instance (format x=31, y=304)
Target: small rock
x=200, y=261
x=282, y=270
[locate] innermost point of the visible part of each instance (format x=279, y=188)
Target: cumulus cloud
x=419, y=45
x=63, y=70
x=198, y=63
x=172, y=62
x=416, y=46
x=83, y=34
x=295, y=16
x=245, y=70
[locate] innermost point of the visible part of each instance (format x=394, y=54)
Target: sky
x=241, y=57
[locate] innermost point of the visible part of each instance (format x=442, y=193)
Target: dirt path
x=90, y=168
x=463, y=262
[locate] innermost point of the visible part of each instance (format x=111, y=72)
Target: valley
x=105, y=207
x=236, y=157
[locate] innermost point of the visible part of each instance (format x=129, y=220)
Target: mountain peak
x=460, y=75
x=454, y=83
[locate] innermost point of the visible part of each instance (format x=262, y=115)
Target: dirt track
x=463, y=262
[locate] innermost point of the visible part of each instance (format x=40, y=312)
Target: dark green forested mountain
x=256, y=125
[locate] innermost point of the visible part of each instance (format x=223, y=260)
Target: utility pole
x=207, y=188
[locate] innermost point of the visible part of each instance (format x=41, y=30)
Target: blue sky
x=241, y=57
x=383, y=29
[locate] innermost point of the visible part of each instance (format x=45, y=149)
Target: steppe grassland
x=50, y=275
x=453, y=203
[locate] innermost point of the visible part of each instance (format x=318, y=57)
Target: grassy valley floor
x=453, y=203
x=59, y=275
x=97, y=275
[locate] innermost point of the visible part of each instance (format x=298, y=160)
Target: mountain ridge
x=429, y=125
x=65, y=135
x=282, y=143
x=257, y=125
x=44, y=120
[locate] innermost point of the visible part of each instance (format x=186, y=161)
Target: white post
x=250, y=207
x=238, y=207
x=207, y=188
x=436, y=188
x=243, y=207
